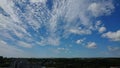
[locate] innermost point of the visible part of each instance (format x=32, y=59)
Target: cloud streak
x=10, y=51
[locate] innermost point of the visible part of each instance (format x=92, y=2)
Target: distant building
x=20, y=63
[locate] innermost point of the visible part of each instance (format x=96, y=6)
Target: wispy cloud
x=24, y=44
x=62, y=50
x=10, y=51
x=114, y=50
x=35, y=1
x=25, y=18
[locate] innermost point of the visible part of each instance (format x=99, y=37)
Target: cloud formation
x=28, y=23
x=35, y=1
x=101, y=8
x=102, y=29
x=32, y=21
x=91, y=45
x=80, y=41
x=24, y=44
x=113, y=36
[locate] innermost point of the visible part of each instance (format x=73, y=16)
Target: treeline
x=5, y=62
x=66, y=62
x=79, y=62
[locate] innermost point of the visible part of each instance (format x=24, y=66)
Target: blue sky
x=60, y=28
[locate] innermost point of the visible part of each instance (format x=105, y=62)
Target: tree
x=1, y=57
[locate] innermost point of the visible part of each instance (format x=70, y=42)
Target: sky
x=59, y=28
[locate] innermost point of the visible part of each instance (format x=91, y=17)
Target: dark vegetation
x=66, y=62
x=5, y=62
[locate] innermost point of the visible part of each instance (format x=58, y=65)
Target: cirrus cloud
x=32, y=21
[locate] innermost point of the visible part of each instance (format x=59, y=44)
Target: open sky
x=60, y=28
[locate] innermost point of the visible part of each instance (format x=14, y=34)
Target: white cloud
x=102, y=29
x=7, y=7
x=53, y=41
x=35, y=1
x=6, y=23
x=71, y=11
x=10, y=51
x=80, y=41
x=80, y=31
x=50, y=41
x=101, y=8
x=91, y=45
x=24, y=44
x=114, y=36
